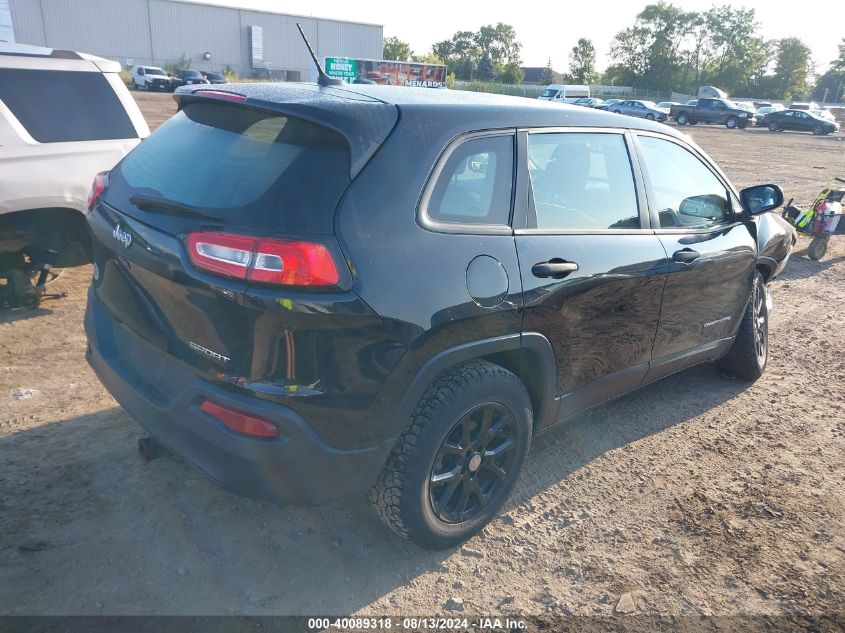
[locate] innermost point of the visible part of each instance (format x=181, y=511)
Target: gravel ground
x=698, y=495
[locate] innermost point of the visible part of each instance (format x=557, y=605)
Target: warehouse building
x=211, y=37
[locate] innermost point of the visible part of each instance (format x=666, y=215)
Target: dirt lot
x=697, y=495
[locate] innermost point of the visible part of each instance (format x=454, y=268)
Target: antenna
x=322, y=78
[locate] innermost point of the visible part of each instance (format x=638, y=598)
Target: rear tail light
x=101, y=181
x=293, y=263
x=239, y=421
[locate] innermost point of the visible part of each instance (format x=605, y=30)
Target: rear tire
x=432, y=488
x=817, y=248
x=746, y=359
x=682, y=119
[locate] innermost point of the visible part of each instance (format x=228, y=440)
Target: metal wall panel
x=160, y=31
x=7, y=34
x=193, y=29
x=26, y=18
x=115, y=29
x=283, y=47
x=344, y=39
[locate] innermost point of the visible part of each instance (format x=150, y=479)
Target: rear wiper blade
x=153, y=203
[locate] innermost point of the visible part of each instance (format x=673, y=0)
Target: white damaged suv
x=64, y=118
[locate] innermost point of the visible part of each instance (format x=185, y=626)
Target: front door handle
x=685, y=256
x=556, y=268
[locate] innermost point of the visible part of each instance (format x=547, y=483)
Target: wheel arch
x=767, y=267
x=35, y=228
x=528, y=355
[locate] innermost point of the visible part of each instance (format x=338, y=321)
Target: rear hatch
x=216, y=203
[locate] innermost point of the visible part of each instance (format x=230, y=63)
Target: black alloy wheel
x=473, y=464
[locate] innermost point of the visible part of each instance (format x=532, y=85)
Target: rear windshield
x=249, y=167
x=59, y=106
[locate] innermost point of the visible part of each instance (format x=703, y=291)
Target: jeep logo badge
x=122, y=236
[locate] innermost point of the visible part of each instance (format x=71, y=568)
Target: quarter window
x=687, y=193
x=581, y=181
x=476, y=183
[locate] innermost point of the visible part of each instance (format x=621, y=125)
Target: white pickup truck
x=64, y=118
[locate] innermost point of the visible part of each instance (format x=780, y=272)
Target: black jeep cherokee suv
x=310, y=293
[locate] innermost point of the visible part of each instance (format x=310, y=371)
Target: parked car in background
x=825, y=114
x=245, y=308
x=588, y=102
x=800, y=121
x=642, y=109
x=666, y=105
x=64, y=118
x=760, y=119
x=188, y=76
x=719, y=111
x=745, y=105
x=564, y=93
x=214, y=78
x=607, y=104
x=152, y=78
x=800, y=105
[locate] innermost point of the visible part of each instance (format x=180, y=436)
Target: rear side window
x=249, y=167
x=475, y=184
x=581, y=181
x=58, y=106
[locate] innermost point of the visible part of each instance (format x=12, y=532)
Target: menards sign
x=387, y=72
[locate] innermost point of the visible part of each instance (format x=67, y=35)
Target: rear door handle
x=556, y=268
x=686, y=256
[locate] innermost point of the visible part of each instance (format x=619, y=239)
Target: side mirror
x=708, y=206
x=761, y=198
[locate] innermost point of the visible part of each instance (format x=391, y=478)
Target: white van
x=564, y=93
x=64, y=117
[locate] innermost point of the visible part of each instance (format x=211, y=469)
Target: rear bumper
x=164, y=397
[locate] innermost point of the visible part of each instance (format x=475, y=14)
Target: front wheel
x=817, y=248
x=731, y=122
x=746, y=359
x=649, y=116
x=456, y=463
x=818, y=130
x=773, y=127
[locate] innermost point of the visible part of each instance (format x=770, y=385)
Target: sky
x=551, y=29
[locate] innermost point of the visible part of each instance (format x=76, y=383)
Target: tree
x=512, y=74
x=430, y=58
x=794, y=68
x=831, y=85
x=650, y=52
x=548, y=75
x=466, y=50
x=396, y=49
x=737, y=59
x=486, y=70
x=500, y=43
x=582, y=62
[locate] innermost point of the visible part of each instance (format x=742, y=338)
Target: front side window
x=687, y=193
x=581, y=181
x=476, y=183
